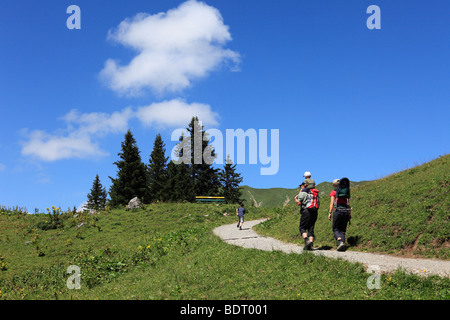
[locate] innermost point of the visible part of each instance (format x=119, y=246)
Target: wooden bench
x=209, y=199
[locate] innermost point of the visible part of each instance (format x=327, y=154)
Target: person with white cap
x=308, y=179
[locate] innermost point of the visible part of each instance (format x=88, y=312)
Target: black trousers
x=340, y=221
x=307, y=221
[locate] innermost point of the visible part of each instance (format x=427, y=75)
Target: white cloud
x=49, y=147
x=2, y=167
x=78, y=140
x=176, y=113
x=174, y=48
x=100, y=123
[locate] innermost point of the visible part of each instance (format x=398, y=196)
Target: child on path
x=240, y=212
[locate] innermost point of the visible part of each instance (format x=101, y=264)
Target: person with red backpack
x=340, y=200
x=308, y=200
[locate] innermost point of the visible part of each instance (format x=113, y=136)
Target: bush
x=53, y=221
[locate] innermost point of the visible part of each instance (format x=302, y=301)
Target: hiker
x=307, y=175
x=340, y=201
x=240, y=213
x=308, y=200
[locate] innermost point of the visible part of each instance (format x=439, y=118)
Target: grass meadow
x=168, y=251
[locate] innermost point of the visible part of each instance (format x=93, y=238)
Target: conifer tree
x=204, y=176
x=171, y=183
x=131, y=180
x=97, y=196
x=192, y=173
x=157, y=171
x=230, y=181
x=180, y=185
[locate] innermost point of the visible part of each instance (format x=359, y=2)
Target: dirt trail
x=248, y=238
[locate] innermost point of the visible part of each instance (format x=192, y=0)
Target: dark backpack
x=343, y=189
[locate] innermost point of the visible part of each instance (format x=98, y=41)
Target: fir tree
x=97, y=196
x=204, y=176
x=230, y=181
x=131, y=180
x=192, y=173
x=179, y=183
x=157, y=171
x=171, y=183
x=180, y=186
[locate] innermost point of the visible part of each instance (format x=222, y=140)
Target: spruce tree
x=193, y=174
x=97, y=196
x=157, y=171
x=230, y=181
x=172, y=180
x=180, y=185
x=204, y=176
x=131, y=180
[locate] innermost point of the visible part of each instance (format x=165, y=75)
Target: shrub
x=53, y=221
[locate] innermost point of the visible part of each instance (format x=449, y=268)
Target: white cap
x=307, y=174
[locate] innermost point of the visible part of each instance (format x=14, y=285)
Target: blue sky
x=347, y=101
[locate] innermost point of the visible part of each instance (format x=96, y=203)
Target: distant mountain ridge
x=279, y=197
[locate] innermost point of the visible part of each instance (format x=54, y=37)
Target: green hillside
x=406, y=213
x=169, y=251
x=279, y=197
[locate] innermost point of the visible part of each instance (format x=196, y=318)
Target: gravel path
x=248, y=238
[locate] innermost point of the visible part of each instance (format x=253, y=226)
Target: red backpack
x=315, y=199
